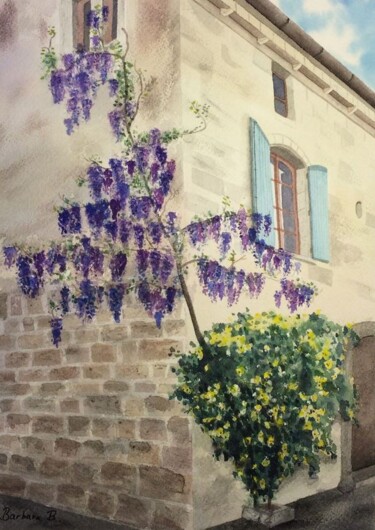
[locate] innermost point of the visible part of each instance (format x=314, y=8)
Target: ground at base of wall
x=33, y=516
x=331, y=510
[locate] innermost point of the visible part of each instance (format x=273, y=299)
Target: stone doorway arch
x=366, y=333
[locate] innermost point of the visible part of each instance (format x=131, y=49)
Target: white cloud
x=319, y=6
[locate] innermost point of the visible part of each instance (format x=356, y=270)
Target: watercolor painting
x=186, y=305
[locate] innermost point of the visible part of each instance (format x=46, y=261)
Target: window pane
x=290, y=242
x=287, y=198
x=278, y=86
x=280, y=107
x=289, y=223
x=285, y=174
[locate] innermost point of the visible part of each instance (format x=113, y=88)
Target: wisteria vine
x=124, y=239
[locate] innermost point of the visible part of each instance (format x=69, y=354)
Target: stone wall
x=88, y=426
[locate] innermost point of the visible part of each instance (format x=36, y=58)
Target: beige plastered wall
x=227, y=69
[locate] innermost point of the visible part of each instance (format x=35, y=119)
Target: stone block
x=171, y=517
x=51, y=467
x=92, y=448
x=134, y=407
x=144, y=387
x=119, y=474
x=71, y=496
x=7, y=377
x=101, y=503
x=28, y=324
x=52, y=388
x=126, y=429
x=103, y=353
x=161, y=483
x=22, y=464
x=16, y=389
x=32, y=444
x=66, y=447
x=32, y=342
x=133, y=511
x=6, y=405
x=129, y=351
x=103, y=404
x=17, y=359
x=177, y=458
x=11, y=442
x=3, y=460
x=44, y=322
x=3, y=306
x=12, y=485
x=132, y=371
x=42, y=493
x=180, y=430
x=143, y=330
x=96, y=372
x=174, y=327
x=64, y=373
x=269, y=518
x=70, y=406
x=7, y=342
x=143, y=453
x=87, y=335
x=158, y=404
x=78, y=425
x=18, y=420
x=34, y=306
x=103, y=428
x=83, y=473
x=33, y=375
x=115, y=386
x=15, y=305
x=156, y=350
x=152, y=429
x=12, y=326
x=114, y=333
x=77, y=354
x=34, y=403
x=48, y=424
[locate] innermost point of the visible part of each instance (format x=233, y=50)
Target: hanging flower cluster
x=123, y=238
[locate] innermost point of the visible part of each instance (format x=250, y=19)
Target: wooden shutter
x=261, y=176
x=318, y=192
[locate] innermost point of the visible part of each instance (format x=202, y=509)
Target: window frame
x=277, y=98
x=275, y=158
x=81, y=32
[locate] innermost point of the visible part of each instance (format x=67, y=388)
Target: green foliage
x=48, y=55
x=267, y=391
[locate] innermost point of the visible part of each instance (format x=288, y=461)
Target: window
x=280, y=94
x=81, y=33
x=294, y=195
x=285, y=204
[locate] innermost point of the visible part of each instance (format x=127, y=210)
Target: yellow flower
x=226, y=425
x=279, y=422
x=270, y=441
x=234, y=390
x=199, y=353
x=258, y=407
x=275, y=363
x=293, y=386
x=261, y=437
x=265, y=462
x=206, y=368
x=266, y=348
x=208, y=420
x=255, y=380
x=186, y=389
x=308, y=426
x=320, y=443
x=248, y=439
x=267, y=424
x=266, y=375
x=314, y=398
x=240, y=370
x=328, y=364
x=262, y=484
x=303, y=396
x=217, y=386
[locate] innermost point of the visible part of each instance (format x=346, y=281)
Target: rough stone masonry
x=89, y=427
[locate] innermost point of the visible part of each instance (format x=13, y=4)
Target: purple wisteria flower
x=10, y=255
x=56, y=325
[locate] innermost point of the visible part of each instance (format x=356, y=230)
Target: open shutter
x=261, y=176
x=318, y=191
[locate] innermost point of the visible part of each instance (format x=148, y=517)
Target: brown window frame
x=276, y=98
x=81, y=32
x=278, y=184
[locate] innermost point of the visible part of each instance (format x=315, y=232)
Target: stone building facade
x=89, y=426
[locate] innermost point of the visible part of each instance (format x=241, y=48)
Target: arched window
x=284, y=176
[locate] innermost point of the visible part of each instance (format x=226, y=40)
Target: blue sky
x=346, y=28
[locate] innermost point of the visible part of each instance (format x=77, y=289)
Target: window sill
x=305, y=259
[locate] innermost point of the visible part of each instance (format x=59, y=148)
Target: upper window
x=280, y=95
x=81, y=33
x=285, y=203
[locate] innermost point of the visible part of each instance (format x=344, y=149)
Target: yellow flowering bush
x=267, y=389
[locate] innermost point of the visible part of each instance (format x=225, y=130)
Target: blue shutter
x=318, y=191
x=261, y=176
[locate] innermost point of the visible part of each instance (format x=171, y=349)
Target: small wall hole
x=358, y=209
